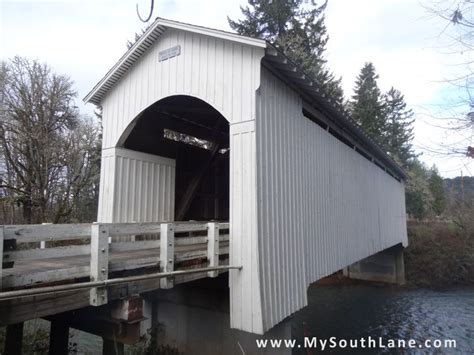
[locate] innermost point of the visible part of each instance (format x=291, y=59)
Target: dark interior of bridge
x=196, y=135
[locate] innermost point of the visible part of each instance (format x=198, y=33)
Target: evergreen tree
x=415, y=205
x=368, y=107
x=418, y=195
x=137, y=36
x=399, y=130
x=299, y=32
x=436, y=187
x=425, y=193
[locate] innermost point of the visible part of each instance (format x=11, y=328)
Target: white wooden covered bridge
x=206, y=125
x=305, y=191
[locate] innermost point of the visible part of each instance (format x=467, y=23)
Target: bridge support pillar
x=58, y=338
x=194, y=318
x=14, y=339
x=385, y=266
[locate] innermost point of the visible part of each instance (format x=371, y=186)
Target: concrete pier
x=194, y=318
x=386, y=266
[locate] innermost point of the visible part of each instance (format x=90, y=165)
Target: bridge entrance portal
x=196, y=136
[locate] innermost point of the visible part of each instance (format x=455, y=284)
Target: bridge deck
x=53, y=270
x=65, y=257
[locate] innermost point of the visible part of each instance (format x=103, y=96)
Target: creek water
x=360, y=311
x=354, y=312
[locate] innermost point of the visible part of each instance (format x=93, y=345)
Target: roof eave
x=143, y=43
x=213, y=33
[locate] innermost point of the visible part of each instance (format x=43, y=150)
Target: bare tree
x=47, y=150
x=458, y=39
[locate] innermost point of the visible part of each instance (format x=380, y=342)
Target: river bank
x=439, y=255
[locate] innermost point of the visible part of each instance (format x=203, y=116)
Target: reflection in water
x=352, y=312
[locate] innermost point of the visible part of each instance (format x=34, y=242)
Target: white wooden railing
x=166, y=245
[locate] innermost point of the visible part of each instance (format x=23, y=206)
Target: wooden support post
x=213, y=247
x=1, y=255
x=111, y=347
x=128, y=309
x=216, y=193
x=193, y=185
x=14, y=339
x=167, y=253
x=58, y=338
x=99, y=262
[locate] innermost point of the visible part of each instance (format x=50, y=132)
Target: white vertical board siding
x=245, y=300
x=321, y=206
x=136, y=187
x=224, y=74
x=107, y=187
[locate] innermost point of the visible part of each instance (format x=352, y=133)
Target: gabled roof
x=275, y=61
x=150, y=36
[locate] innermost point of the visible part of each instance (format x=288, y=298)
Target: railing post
x=167, y=253
x=213, y=247
x=43, y=242
x=99, y=262
x=1, y=255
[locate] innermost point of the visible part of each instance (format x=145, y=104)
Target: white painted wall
x=226, y=75
x=321, y=206
x=136, y=187
x=245, y=300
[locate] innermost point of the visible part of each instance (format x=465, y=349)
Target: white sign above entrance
x=170, y=53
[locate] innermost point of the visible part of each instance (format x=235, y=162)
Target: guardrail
x=162, y=245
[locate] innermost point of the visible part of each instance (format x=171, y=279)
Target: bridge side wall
x=136, y=187
x=321, y=205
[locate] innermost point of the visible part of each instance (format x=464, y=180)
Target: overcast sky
x=84, y=38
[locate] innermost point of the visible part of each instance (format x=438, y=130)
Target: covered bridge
x=201, y=124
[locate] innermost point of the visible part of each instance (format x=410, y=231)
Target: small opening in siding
x=325, y=126
x=364, y=154
x=187, y=139
x=346, y=141
x=341, y=138
x=191, y=140
x=379, y=165
x=315, y=119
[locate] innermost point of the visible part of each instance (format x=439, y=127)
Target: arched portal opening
x=196, y=136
